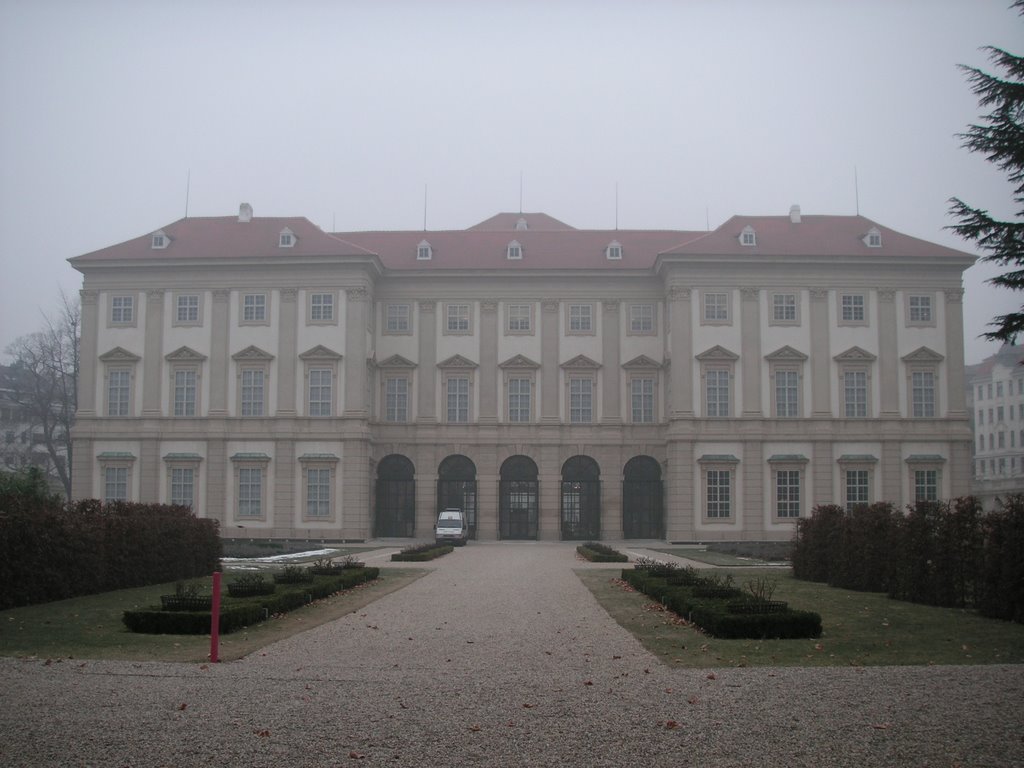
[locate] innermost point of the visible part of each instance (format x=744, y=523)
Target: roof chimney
x=244, y=213
x=794, y=214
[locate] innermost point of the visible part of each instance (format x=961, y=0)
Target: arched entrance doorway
x=581, y=499
x=456, y=487
x=396, y=497
x=517, y=499
x=643, y=510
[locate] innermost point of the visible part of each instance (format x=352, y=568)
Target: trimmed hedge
x=421, y=553
x=600, y=553
x=718, y=617
x=947, y=554
x=237, y=613
x=53, y=551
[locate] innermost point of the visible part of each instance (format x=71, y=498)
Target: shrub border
x=423, y=554
x=600, y=553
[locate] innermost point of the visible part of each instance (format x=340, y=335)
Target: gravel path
x=499, y=657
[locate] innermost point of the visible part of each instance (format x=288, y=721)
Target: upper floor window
x=852, y=308
x=581, y=400
x=254, y=308
x=186, y=310
x=122, y=310
x=423, y=251
x=159, y=241
x=514, y=251
x=581, y=318
x=321, y=308
x=999, y=389
x=286, y=238
x=396, y=399
x=320, y=391
x=185, y=391
x=519, y=318
x=641, y=319
x=747, y=236
x=641, y=394
x=716, y=307
x=784, y=309
x=919, y=310
x=457, y=318
x=923, y=394
x=613, y=251
x=396, y=318
x=873, y=239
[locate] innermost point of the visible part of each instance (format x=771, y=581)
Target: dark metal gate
x=643, y=508
x=456, y=487
x=396, y=497
x=581, y=499
x=517, y=494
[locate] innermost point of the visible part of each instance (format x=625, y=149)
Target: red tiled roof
x=537, y=222
x=225, y=237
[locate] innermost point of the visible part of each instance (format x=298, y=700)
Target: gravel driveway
x=499, y=657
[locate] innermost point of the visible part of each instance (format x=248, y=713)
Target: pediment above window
x=457, y=361
x=786, y=354
x=717, y=353
x=185, y=355
x=519, y=361
x=252, y=353
x=320, y=352
x=581, y=362
x=119, y=355
x=396, y=361
x=855, y=355
x=641, y=363
x=923, y=355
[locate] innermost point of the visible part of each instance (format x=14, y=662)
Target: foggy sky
x=343, y=111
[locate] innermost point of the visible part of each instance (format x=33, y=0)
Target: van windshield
x=449, y=522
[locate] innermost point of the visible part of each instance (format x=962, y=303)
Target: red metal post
x=215, y=619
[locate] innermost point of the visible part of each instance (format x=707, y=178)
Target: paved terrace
x=499, y=657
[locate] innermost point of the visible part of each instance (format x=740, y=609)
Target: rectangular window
x=187, y=310
x=396, y=395
x=250, y=491
x=321, y=307
x=115, y=484
x=252, y=392
x=183, y=486
x=787, y=493
x=923, y=384
x=857, y=488
x=118, y=392
x=581, y=318
x=122, y=310
x=254, y=308
x=185, y=393
x=981, y=416
x=717, y=383
x=458, y=318
x=458, y=400
x=855, y=389
x=318, y=492
x=787, y=394
x=716, y=307
x=1001, y=441
x=981, y=392
x=990, y=390
x=920, y=309
x=852, y=308
x=926, y=485
x=519, y=318
x=642, y=399
x=719, y=493
x=999, y=389
x=999, y=413
x=581, y=400
x=641, y=318
x=397, y=320
x=320, y=391
x=784, y=307
x=519, y=400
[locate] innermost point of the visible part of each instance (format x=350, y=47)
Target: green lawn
x=720, y=559
x=860, y=629
x=90, y=627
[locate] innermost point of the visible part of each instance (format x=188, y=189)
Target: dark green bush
x=600, y=553
x=422, y=553
x=294, y=574
x=1001, y=573
x=250, y=585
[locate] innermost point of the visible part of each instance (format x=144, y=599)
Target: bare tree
x=45, y=384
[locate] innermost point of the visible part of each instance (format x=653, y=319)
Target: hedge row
x=239, y=613
x=938, y=553
x=422, y=553
x=600, y=553
x=722, y=610
x=52, y=551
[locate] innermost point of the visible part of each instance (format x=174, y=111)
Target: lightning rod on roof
x=707, y=218
x=188, y=184
x=616, y=206
x=424, y=207
x=520, y=191
x=856, y=191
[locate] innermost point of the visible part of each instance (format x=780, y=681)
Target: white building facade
x=553, y=382
x=995, y=399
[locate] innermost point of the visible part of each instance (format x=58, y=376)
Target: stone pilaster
x=888, y=355
x=356, y=303
x=679, y=508
x=549, y=340
x=681, y=387
x=821, y=358
x=149, y=471
x=87, y=356
x=611, y=362
x=955, y=352
x=81, y=469
x=356, y=498
x=153, y=355
x=822, y=466
x=754, y=508
x=892, y=469
x=285, y=517
x=287, y=351
x=750, y=350
x=426, y=409
x=488, y=372
x=218, y=476
x=220, y=362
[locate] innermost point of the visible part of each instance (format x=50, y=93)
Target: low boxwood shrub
x=600, y=553
x=419, y=553
x=294, y=574
x=237, y=613
x=249, y=585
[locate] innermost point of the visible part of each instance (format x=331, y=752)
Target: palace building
x=553, y=382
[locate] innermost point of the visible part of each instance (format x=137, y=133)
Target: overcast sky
x=343, y=111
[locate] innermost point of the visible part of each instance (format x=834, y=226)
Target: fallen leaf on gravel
x=819, y=647
x=182, y=706
x=474, y=728
x=693, y=700
x=668, y=690
x=619, y=657
x=589, y=682
x=881, y=726
x=671, y=724
x=263, y=733
x=204, y=667
x=712, y=676
x=527, y=706
x=356, y=755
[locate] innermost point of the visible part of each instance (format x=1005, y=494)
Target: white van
x=451, y=527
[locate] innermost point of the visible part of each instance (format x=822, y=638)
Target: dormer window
x=423, y=251
x=747, y=236
x=287, y=238
x=160, y=240
x=514, y=251
x=873, y=239
x=614, y=250
x=521, y=224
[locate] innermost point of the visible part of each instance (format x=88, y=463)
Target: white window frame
x=643, y=403
x=192, y=304
x=424, y=252
x=514, y=251
x=259, y=306
x=643, y=319
x=716, y=307
x=123, y=310
x=181, y=373
x=580, y=319
x=461, y=411
x=614, y=251
x=516, y=318
x=783, y=492
x=400, y=412
x=716, y=506
x=920, y=310
x=748, y=237
x=581, y=389
x=789, y=303
x=849, y=308
x=397, y=319
x=125, y=376
x=322, y=308
x=865, y=467
x=793, y=374
x=243, y=472
x=455, y=318
x=313, y=468
x=117, y=474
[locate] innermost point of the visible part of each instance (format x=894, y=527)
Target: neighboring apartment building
x=995, y=398
x=553, y=382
